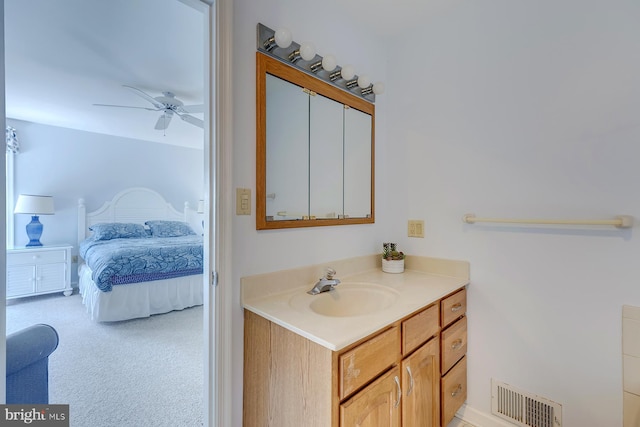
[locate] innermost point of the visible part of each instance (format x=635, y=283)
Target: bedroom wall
x=70, y=164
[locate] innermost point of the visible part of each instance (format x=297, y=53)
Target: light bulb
x=378, y=88
x=329, y=63
x=283, y=37
x=364, y=81
x=348, y=72
x=307, y=51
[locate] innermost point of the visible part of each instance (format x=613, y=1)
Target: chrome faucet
x=325, y=283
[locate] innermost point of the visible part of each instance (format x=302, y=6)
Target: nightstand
x=38, y=270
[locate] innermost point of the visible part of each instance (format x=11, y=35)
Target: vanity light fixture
x=335, y=75
x=307, y=51
x=348, y=73
x=364, y=81
x=328, y=63
x=281, y=38
x=280, y=45
x=376, y=88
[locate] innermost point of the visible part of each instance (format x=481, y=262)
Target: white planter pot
x=393, y=266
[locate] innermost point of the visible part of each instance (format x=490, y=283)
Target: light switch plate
x=243, y=201
x=415, y=228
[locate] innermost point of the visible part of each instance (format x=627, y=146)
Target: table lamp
x=34, y=206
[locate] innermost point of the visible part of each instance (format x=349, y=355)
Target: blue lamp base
x=34, y=231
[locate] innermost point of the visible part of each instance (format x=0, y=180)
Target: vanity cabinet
x=392, y=378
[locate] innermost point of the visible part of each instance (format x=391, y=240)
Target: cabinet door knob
x=399, y=393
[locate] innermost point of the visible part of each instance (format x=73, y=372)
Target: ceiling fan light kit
x=168, y=105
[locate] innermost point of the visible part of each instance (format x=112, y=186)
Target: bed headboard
x=136, y=204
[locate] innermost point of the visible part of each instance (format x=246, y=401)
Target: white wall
x=69, y=164
x=529, y=109
x=264, y=251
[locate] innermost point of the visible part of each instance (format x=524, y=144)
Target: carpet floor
x=134, y=373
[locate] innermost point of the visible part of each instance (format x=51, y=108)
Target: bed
x=138, y=256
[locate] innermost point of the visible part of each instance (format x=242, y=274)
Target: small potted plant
x=392, y=259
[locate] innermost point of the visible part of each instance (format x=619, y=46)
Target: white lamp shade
x=34, y=205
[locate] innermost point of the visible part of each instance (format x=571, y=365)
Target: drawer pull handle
x=457, y=344
x=410, y=381
x=457, y=391
x=455, y=307
x=399, y=394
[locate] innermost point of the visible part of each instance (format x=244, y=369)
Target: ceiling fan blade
x=192, y=108
x=146, y=96
x=163, y=121
x=193, y=120
x=126, y=106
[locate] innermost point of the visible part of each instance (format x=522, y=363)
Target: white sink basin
x=347, y=300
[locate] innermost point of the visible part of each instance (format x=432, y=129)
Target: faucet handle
x=329, y=273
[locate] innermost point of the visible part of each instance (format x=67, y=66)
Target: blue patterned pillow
x=169, y=228
x=117, y=230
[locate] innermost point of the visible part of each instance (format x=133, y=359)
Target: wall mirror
x=315, y=151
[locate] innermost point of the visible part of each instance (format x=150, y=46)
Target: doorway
x=205, y=9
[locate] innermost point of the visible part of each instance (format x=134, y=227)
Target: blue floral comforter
x=122, y=261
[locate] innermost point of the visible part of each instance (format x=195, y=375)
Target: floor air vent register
x=524, y=409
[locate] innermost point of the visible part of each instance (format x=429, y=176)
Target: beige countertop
x=281, y=296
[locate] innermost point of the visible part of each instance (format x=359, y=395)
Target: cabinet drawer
x=453, y=391
x=454, y=344
x=361, y=364
x=36, y=257
x=453, y=307
x=419, y=328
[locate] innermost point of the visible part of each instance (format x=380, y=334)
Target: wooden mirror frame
x=267, y=65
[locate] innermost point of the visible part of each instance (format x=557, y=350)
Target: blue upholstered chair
x=28, y=353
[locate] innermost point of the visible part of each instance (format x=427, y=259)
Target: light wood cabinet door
x=377, y=405
x=421, y=387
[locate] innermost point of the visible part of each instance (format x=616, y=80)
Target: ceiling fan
x=168, y=105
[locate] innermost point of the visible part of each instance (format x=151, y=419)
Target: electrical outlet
x=243, y=201
x=415, y=228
